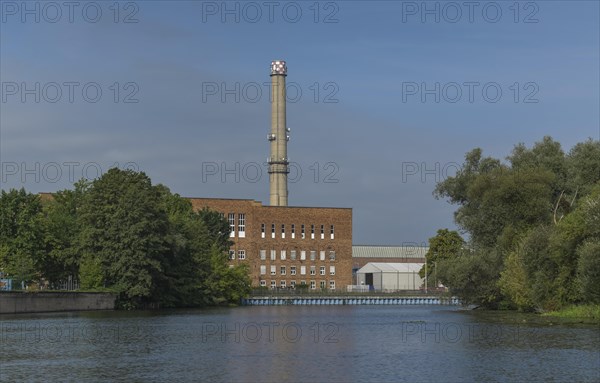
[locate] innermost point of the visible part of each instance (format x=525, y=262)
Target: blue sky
x=362, y=118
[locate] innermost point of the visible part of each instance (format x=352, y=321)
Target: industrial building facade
x=286, y=246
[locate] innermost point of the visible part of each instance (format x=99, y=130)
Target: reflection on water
x=298, y=343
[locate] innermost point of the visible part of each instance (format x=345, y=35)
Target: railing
x=314, y=300
x=17, y=284
x=283, y=292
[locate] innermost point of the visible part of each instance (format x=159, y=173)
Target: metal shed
x=391, y=276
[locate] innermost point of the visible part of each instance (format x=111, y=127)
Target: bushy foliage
x=122, y=233
x=536, y=219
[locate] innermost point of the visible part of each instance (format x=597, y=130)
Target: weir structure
x=278, y=160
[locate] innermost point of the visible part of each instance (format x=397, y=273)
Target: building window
x=293, y=284
x=272, y=230
x=322, y=255
x=292, y=270
x=293, y=255
x=313, y=270
x=302, y=255
x=302, y=270
x=332, y=255
x=331, y=270
x=302, y=235
x=263, y=269
x=313, y=255
x=322, y=285
x=282, y=230
x=241, y=254
x=273, y=284
x=293, y=231
x=263, y=255
x=283, y=255
x=331, y=233
x=273, y=270
x=282, y=284
x=303, y=283
x=322, y=231
x=273, y=255
x=262, y=230
x=282, y=270
x=322, y=270
x=313, y=285
x=241, y=225
x=231, y=219
x=332, y=285
x=312, y=231
x=231, y=255
x=263, y=283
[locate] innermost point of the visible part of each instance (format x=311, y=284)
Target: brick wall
x=256, y=215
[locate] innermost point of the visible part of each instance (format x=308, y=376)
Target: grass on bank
x=574, y=312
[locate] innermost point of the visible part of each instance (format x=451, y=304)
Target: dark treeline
x=533, y=228
x=123, y=234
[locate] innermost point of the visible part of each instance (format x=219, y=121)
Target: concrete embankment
x=38, y=302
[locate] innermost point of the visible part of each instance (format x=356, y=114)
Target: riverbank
x=46, y=301
x=582, y=313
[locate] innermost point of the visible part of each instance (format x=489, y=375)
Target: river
x=297, y=344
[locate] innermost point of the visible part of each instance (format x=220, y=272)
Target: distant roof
x=374, y=267
x=267, y=206
x=389, y=251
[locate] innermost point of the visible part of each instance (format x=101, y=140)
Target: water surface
x=297, y=343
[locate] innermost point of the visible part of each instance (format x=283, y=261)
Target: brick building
x=286, y=246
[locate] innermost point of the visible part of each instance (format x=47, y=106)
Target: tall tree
x=124, y=226
x=61, y=232
x=532, y=218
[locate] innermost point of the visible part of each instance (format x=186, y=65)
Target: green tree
x=21, y=235
x=186, y=265
x=61, y=232
x=514, y=281
x=446, y=244
x=529, y=218
x=227, y=284
x=218, y=228
x=588, y=270
x=124, y=227
x=473, y=276
x=583, y=167
x=90, y=273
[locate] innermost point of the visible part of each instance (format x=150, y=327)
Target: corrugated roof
x=374, y=267
x=389, y=251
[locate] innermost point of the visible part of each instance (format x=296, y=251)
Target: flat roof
x=261, y=204
x=374, y=251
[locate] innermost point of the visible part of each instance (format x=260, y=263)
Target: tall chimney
x=278, y=160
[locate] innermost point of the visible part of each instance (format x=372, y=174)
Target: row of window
x=294, y=255
x=293, y=231
x=241, y=254
x=293, y=270
x=283, y=255
x=241, y=228
x=313, y=284
x=241, y=224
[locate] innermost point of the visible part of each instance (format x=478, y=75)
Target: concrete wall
x=35, y=302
